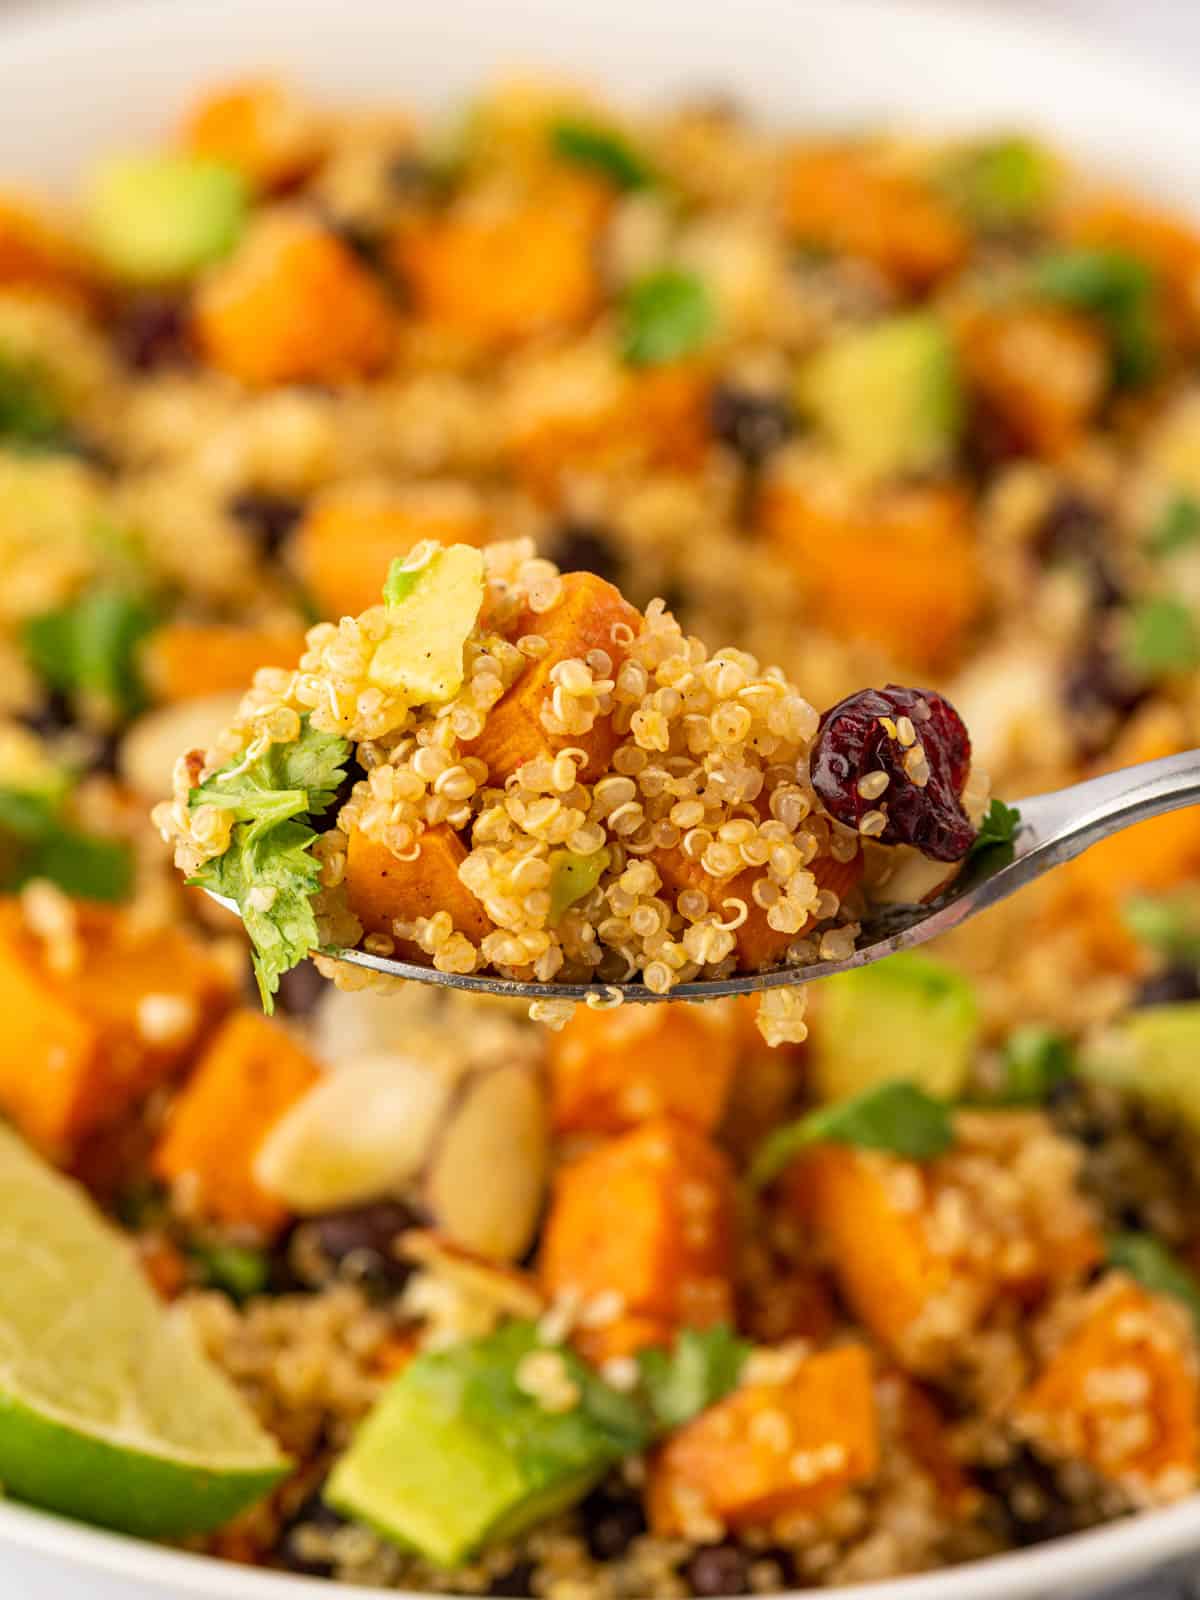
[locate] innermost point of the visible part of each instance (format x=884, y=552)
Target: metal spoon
x=1054, y=828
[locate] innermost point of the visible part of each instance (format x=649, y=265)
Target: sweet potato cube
x=759, y=945
x=78, y=1049
x=186, y=660
x=612, y=1069
x=1040, y=372
x=494, y=281
x=1167, y=242
x=899, y=569
x=260, y=127
x=669, y=1260
x=843, y=199
x=293, y=305
x=583, y=620
x=770, y=1449
x=347, y=541
x=1122, y=1394
x=251, y=1073
x=382, y=889
x=877, y=1248
x=35, y=255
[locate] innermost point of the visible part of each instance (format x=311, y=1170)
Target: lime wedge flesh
x=108, y=1411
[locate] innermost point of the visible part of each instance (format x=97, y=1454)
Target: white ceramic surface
x=72, y=81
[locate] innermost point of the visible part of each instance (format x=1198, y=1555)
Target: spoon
x=1053, y=829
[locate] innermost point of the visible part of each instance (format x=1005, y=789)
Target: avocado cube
x=1001, y=183
x=433, y=604
x=887, y=397
x=161, y=218
x=1153, y=1055
x=908, y=1017
x=474, y=1444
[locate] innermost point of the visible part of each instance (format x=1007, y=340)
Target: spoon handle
x=1062, y=824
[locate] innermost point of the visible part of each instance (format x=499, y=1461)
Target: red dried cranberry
x=861, y=735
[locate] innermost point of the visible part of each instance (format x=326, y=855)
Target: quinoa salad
x=558, y=477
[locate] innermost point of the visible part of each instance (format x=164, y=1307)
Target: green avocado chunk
x=1153, y=1055
x=433, y=603
x=474, y=1444
x=160, y=218
x=908, y=1017
x=887, y=396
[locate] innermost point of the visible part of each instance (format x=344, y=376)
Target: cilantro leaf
x=1155, y=1267
x=1161, y=637
x=1177, y=528
x=269, y=870
x=1167, y=924
x=37, y=842
x=668, y=314
x=996, y=837
x=1120, y=290
x=30, y=414
x=702, y=1368
x=239, y=1269
x=603, y=150
x=1034, y=1062
x=896, y=1116
x=88, y=649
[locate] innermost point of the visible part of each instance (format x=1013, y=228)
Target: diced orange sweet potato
x=184, y=660
x=497, y=280
x=163, y=1263
x=293, y=305
x=1122, y=1394
x=79, y=1048
x=382, y=889
x=900, y=570
x=770, y=1449
x=612, y=1069
x=252, y=1072
x=35, y=255
x=759, y=945
x=260, y=127
x=842, y=199
x=1166, y=241
x=878, y=1250
x=350, y=535
x=668, y=1262
x=583, y=620
x=1039, y=371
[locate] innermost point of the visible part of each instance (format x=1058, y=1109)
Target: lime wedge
x=108, y=1411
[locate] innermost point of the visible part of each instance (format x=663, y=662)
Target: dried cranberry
x=587, y=547
x=751, y=422
x=861, y=736
x=610, y=1524
x=153, y=331
x=718, y=1569
x=268, y=518
x=1169, y=987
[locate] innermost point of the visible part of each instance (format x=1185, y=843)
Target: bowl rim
x=1097, y=1556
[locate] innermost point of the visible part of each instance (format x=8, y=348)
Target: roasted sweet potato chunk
x=382, y=889
x=1167, y=242
x=770, y=1449
x=612, y=1069
x=1121, y=1394
x=251, y=1073
x=80, y=1047
x=898, y=568
x=668, y=1263
x=260, y=127
x=1039, y=372
x=293, y=305
x=185, y=660
x=348, y=539
x=842, y=198
x=583, y=620
x=34, y=254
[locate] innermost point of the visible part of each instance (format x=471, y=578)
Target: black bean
x=268, y=518
x=359, y=1241
x=153, y=332
x=1169, y=987
x=587, y=547
x=718, y=1569
x=1025, y=1504
x=328, y=818
x=1076, y=532
x=52, y=715
x=611, y=1523
x=1099, y=691
x=314, y=1514
x=410, y=176
x=751, y=422
x=517, y=1582
x=300, y=990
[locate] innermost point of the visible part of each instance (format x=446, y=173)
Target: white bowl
x=75, y=81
